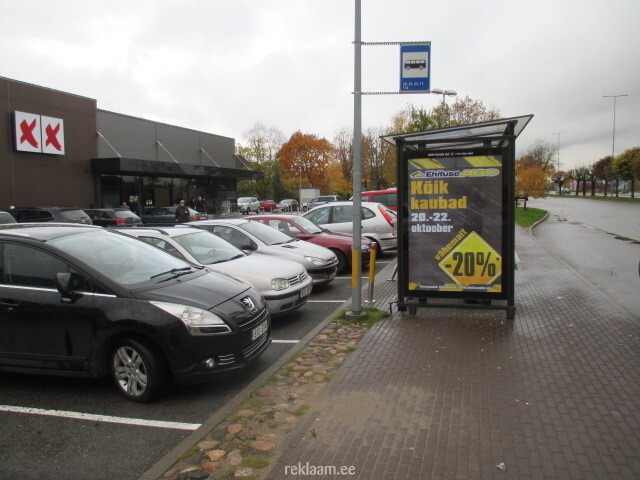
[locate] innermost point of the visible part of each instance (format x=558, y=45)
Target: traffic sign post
x=456, y=224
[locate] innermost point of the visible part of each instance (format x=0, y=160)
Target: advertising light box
x=455, y=223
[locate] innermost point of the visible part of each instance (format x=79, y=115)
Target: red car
x=303, y=229
x=267, y=205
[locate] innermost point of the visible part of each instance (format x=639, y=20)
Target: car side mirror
x=64, y=283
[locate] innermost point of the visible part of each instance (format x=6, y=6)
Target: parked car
x=321, y=200
x=118, y=306
x=111, y=217
x=248, y=205
x=267, y=205
x=259, y=239
x=288, y=205
x=6, y=217
x=388, y=197
x=285, y=285
x=50, y=214
x=164, y=215
x=378, y=222
x=299, y=227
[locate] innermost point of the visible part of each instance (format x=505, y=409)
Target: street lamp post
x=613, y=147
x=444, y=93
x=558, y=152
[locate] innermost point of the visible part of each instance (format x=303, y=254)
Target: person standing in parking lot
x=182, y=213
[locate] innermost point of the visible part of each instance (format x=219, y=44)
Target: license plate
x=305, y=291
x=259, y=330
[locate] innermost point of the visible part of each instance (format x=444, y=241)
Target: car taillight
x=120, y=221
x=387, y=216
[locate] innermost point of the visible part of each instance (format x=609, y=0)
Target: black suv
x=50, y=214
x=86, y=301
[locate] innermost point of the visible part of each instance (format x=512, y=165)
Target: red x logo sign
x=27, y=133
x=52, y=137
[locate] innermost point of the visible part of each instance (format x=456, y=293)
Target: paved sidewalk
x=460, y=394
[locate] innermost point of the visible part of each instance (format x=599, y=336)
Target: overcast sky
x=222, y=66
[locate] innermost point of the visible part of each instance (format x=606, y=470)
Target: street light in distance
x=444, y=93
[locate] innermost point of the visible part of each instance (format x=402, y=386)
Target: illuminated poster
x=455, y=229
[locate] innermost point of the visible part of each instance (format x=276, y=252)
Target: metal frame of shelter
x=456, y=221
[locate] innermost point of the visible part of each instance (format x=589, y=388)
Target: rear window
x=125, y=214
x=73, y=215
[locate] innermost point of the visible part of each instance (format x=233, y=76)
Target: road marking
x=285, y=341
x=326, y=301
x=101, y=418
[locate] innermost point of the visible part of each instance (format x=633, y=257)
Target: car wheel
x=343, y=265
x=137, y=371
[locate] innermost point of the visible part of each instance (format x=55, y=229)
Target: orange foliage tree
x=307, y=157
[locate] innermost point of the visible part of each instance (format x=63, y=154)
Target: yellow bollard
x=372, y=270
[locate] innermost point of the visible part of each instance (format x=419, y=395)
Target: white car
x=378, y=221
x=248, y=205
x=285, y=286
x=264, y=241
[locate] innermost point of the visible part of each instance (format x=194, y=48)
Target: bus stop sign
x=415, y=68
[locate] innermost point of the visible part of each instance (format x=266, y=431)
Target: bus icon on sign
x=419, y=64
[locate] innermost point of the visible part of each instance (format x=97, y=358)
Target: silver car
x=378, y=221
x=285, y=286
x=260, y=239
x=248, y=205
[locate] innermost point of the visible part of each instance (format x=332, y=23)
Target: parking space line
x=285, y=341
x=325, y=301
x=101, y=418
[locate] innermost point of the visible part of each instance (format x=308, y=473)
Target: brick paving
x=464, y=394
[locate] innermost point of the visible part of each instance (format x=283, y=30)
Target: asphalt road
x=40, y=441
x=601, y=240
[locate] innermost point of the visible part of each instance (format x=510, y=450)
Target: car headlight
x=364, y=247
x=316, y=260
x=197, y=320
x=279, y=283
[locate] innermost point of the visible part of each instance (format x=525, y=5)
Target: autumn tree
x=582, y=174
x=560, y=178
x=531, y=182
x=378, y=160
x=602, y=170
x=335, y=182
x=306, y=157
x=462, y=112
x=343, y=151
x=541, y=153
x=623, y=166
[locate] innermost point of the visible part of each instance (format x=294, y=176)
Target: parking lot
x=56, y=427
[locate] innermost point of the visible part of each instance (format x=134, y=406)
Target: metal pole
x=615, y=97
x=356, y=295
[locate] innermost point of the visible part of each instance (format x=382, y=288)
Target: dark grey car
x=50, y=214
x=86, y=301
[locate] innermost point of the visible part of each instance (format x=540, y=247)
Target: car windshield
x=267, y=235
x=244, y=200
x=308, y=225
x=208, y=248
x=123, y=259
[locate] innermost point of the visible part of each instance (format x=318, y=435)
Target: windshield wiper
x=175, y=272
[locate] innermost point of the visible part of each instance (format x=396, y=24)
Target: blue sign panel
x=415, y=68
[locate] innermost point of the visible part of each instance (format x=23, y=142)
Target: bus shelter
x=456, y=216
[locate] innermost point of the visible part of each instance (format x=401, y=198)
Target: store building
x=58, y=148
